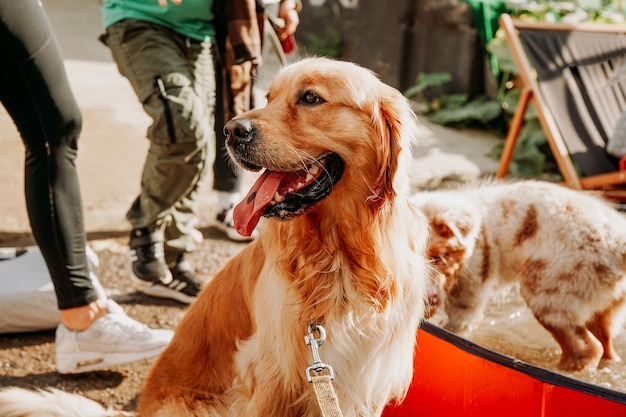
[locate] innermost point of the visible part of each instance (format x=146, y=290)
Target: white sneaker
x=224, y=222
x=111, y=340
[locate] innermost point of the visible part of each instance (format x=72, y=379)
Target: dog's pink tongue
x=247, y=213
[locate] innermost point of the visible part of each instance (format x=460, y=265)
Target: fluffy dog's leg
x=580, y=349
x=600, y=326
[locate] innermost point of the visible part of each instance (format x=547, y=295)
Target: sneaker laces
x=122, y=320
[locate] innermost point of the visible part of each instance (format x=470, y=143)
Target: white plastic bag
x=27, y=298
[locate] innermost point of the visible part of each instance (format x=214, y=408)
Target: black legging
x=35, y=91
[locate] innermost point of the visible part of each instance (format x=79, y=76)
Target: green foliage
x=531, y=150
x=424, y=81
x=528, y=158
x=329, y=44
x=604, y=11
x=532, y=156
x=480, y=110
x=499, y=48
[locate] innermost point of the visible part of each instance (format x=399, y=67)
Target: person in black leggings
x=36, y=94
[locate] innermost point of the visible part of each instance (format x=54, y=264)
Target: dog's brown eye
x=311, y=98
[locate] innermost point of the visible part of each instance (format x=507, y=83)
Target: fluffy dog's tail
x=18, y=402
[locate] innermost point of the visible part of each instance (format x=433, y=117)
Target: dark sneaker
x=224, y=222
x=184, y=286
x=147, y=257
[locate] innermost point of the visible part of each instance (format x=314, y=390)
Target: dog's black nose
x=239, y=130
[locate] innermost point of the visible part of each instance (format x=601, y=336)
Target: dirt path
x=27, y=359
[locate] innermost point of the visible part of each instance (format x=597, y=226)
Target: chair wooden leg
x=513, y=134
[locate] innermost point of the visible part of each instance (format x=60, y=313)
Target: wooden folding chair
x=566, y=71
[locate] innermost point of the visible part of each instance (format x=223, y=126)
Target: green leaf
x=483, y=112
x=529, y=158
x=426, y=80
x=413, y=91
x=532, y=134
x=433, y=79
x=510, y=101
x=499, y=48
x=453, y=101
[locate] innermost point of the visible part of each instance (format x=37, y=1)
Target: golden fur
x=353, y=262
x=566, y=249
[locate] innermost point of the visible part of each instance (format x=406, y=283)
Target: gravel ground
x=27, y=359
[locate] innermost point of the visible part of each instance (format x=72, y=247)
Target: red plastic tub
x=455, y=377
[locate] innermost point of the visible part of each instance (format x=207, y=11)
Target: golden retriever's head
x=329, y=127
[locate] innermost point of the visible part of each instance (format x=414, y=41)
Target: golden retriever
x=340, y=255
x=566, y=249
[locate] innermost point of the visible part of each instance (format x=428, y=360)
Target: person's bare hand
x=289, y=14
x=163, y=3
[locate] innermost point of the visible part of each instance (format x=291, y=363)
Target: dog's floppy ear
x=445, y=230
x=395, y=125
x=459, y=223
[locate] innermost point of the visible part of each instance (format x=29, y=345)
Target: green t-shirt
x=192, y=18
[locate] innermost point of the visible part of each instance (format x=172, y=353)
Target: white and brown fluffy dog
x=341, y=247
x=565, y=248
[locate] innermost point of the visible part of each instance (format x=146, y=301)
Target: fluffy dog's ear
x=458, y=223
x=445, y=230
x=395, y=124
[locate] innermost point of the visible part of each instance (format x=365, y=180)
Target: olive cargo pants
x=174, y=79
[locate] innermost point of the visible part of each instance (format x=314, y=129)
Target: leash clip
x=317, y=365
